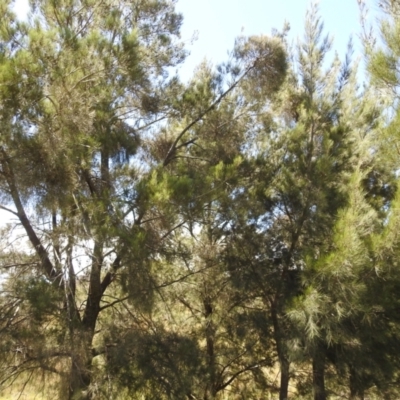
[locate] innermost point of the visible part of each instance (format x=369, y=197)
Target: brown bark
x=81, y=367
x=285, y=377
x=82, y=360
x=80, y=377
x=81, y=332
x=356, y=389
x=47, y=265
x=92, y=308
x=284, y=363
x=318, y=366
x=210, y=392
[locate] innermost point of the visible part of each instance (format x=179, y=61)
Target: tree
x=339, y=309
x=199, y=180
x=93, y=131
x=73, y=79
x=176, y=240
x=307, y=149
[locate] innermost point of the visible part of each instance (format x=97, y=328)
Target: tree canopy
x=230, y=237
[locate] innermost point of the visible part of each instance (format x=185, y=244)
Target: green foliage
x=42, y=297
x=161, y=364
x=187, y=241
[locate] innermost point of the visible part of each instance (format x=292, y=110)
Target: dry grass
x=33, y=388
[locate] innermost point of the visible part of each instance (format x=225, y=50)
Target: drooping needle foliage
x=232, y=237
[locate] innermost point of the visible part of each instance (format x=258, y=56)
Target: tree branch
x=236, y=374
x=47, y=265
x=174, y=145
x=8, y=210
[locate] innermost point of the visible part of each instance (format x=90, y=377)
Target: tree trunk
x=81, y=360
x=284, y=363
x=79, y=380
x=80, y=377
x=210, y=391
x=318, y=366
x=356, y=389
x=285, y=377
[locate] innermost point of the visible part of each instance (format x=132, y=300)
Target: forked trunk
x=82, y=356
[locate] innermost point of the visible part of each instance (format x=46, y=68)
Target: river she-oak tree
x=230, y=237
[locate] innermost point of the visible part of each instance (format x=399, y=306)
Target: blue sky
x=218, y=22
